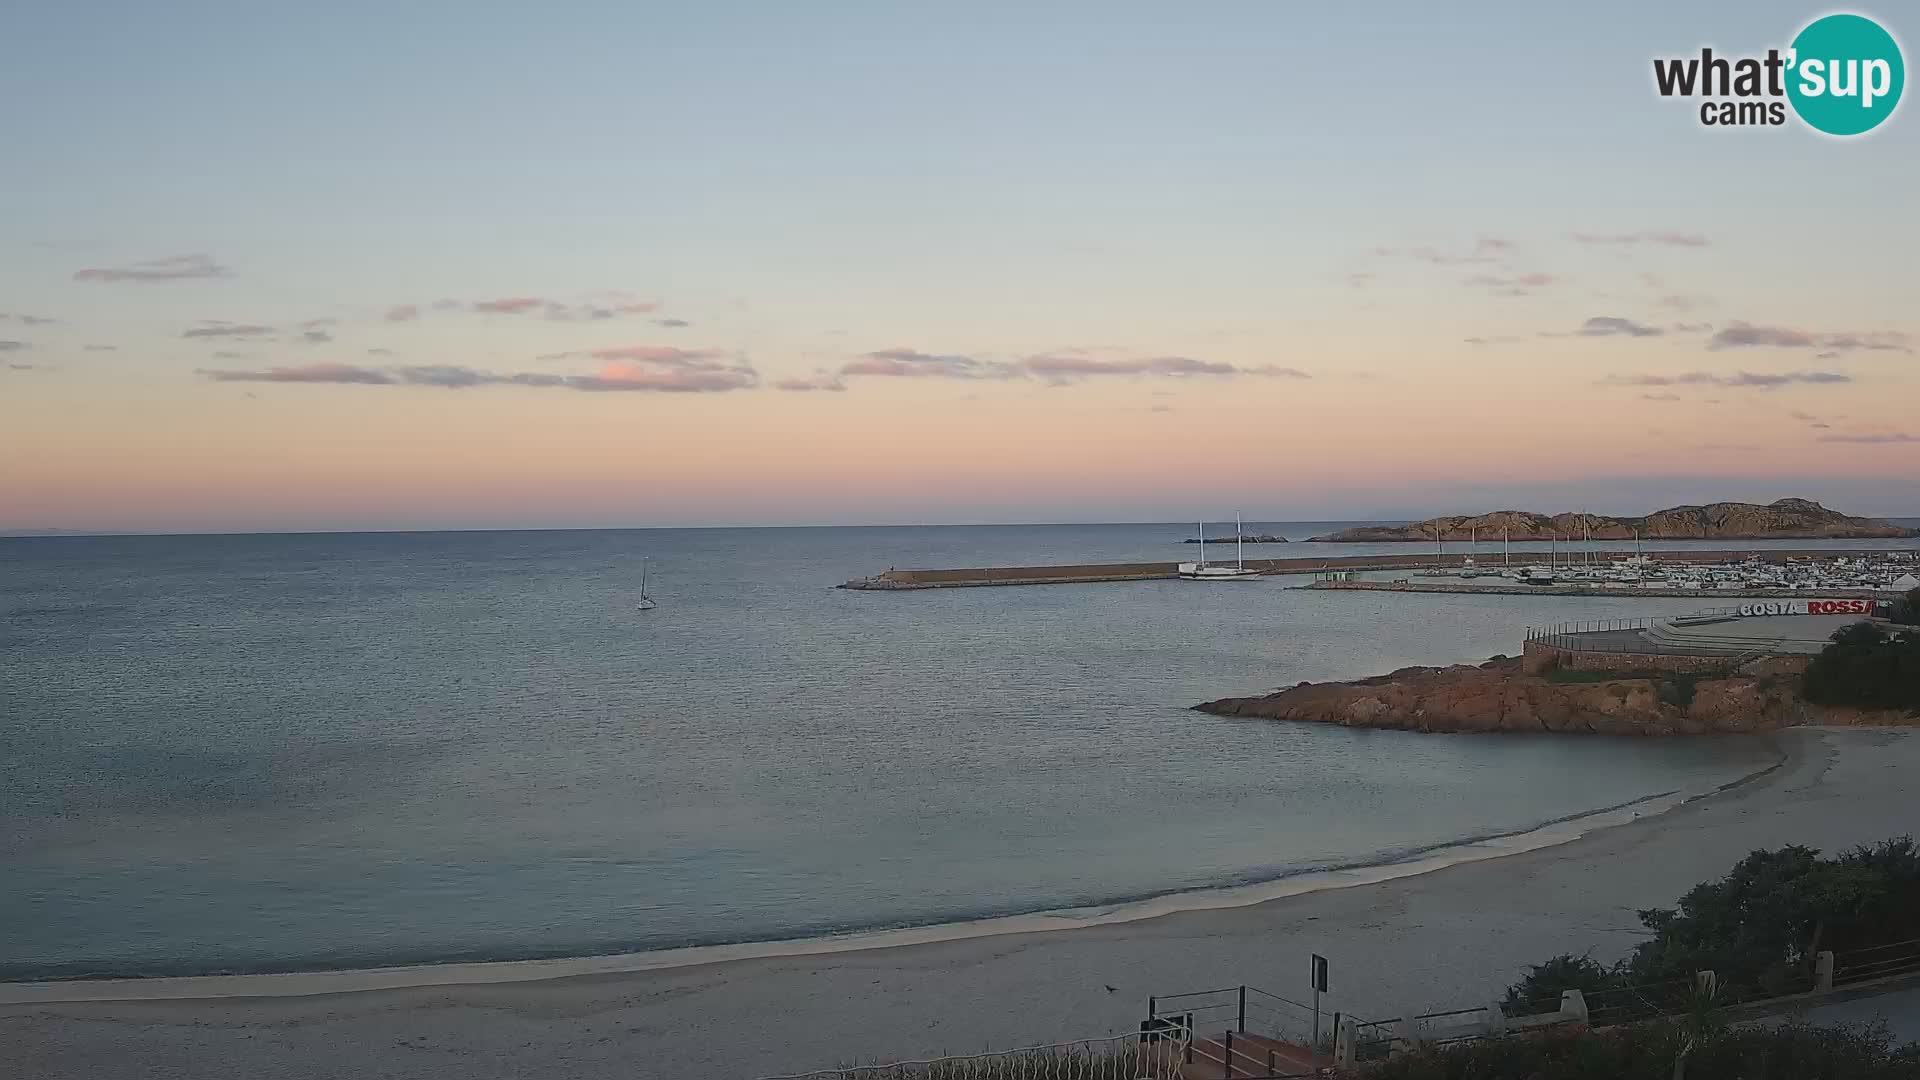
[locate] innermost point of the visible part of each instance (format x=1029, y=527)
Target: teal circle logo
x=1845, y=74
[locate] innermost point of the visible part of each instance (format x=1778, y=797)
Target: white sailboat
x=1200, y=571
x=646, y=602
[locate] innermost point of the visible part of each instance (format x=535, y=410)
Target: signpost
x=1319, y=987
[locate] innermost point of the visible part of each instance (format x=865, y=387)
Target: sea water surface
x=257, y=753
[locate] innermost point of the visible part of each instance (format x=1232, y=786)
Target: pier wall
x=1539, y=656
x=895, y=579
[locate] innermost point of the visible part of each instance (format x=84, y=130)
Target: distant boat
x=1200, y=571
x=646, y=602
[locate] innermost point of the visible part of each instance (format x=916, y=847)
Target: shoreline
x=1465, y=851
x=1452, y=937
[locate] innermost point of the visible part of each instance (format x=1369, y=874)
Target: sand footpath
x=1446, y=938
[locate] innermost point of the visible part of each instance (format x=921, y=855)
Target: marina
x=1576, y=589
x=1670, y=573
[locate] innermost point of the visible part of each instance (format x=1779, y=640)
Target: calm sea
x=281, y=752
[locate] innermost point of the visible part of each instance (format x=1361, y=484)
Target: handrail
x=1877, y=948
x=1277, y=997
x=1228, y=1067
x=1454, y=1012
x=1197, y=993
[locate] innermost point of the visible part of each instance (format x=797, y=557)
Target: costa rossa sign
x=1808, y=607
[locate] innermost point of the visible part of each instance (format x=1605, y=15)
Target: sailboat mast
x=1239, y=543
x=1203, y=543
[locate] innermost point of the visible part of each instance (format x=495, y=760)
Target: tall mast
x=1203, y=544
x=643, y=577
x=1505, y=554
x=1239, y=543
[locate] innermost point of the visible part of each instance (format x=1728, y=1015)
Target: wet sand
x=1450, y=937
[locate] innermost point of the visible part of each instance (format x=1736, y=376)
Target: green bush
x=1866, y=666
x=1757, y=929
x=1650, y=1052
x=1677, y=690
x=1540, y=988
x=1906, y=610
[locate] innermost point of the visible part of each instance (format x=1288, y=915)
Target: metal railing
x=1263, y=1035
x=1876, y=962
x=1553, y=633
x=1645, y=1001
x=1241, y=1009
x=1115, y=1057
x=1259, y=1033
x=1248, y=1058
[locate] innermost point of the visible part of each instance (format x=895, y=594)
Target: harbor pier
x=1085, y=573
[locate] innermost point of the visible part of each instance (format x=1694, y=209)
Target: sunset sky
x=359, y=265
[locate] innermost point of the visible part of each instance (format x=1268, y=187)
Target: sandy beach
x=1451, y=937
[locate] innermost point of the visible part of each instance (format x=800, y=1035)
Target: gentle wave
x=1410, y=863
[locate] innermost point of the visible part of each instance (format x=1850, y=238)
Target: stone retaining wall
x=1538, y=656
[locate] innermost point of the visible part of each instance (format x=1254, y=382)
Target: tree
x=1866, y=666
x=1906, y=610
x=1540, y=988
x=1760, y=927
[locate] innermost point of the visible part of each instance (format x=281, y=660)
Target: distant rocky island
x=1783, y=519
x=1245, y=538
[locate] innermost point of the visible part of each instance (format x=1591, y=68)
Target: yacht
x=1201, y=571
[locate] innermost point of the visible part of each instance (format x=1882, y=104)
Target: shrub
x=1757, y=929
x=1540, y=988
x=1866, y=666
x=1906, y=610
x=1677, y=690
x=1651, y=1051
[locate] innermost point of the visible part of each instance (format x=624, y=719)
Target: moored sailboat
x=1201, y=571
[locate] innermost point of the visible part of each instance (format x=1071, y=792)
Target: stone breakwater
x=1499, y=696
x=897, y=579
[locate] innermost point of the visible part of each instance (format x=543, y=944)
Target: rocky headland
x=1499, y=696
x=1783, y=519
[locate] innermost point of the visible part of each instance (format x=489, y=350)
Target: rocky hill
x=1498, y=696
x=1784, y=519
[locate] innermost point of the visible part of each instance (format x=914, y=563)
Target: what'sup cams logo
x=1842, y=75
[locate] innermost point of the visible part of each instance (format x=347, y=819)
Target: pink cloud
x=656, y=354
x=672, y=378
x=815, y=382
x=512, y=305
x=1664, y=237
